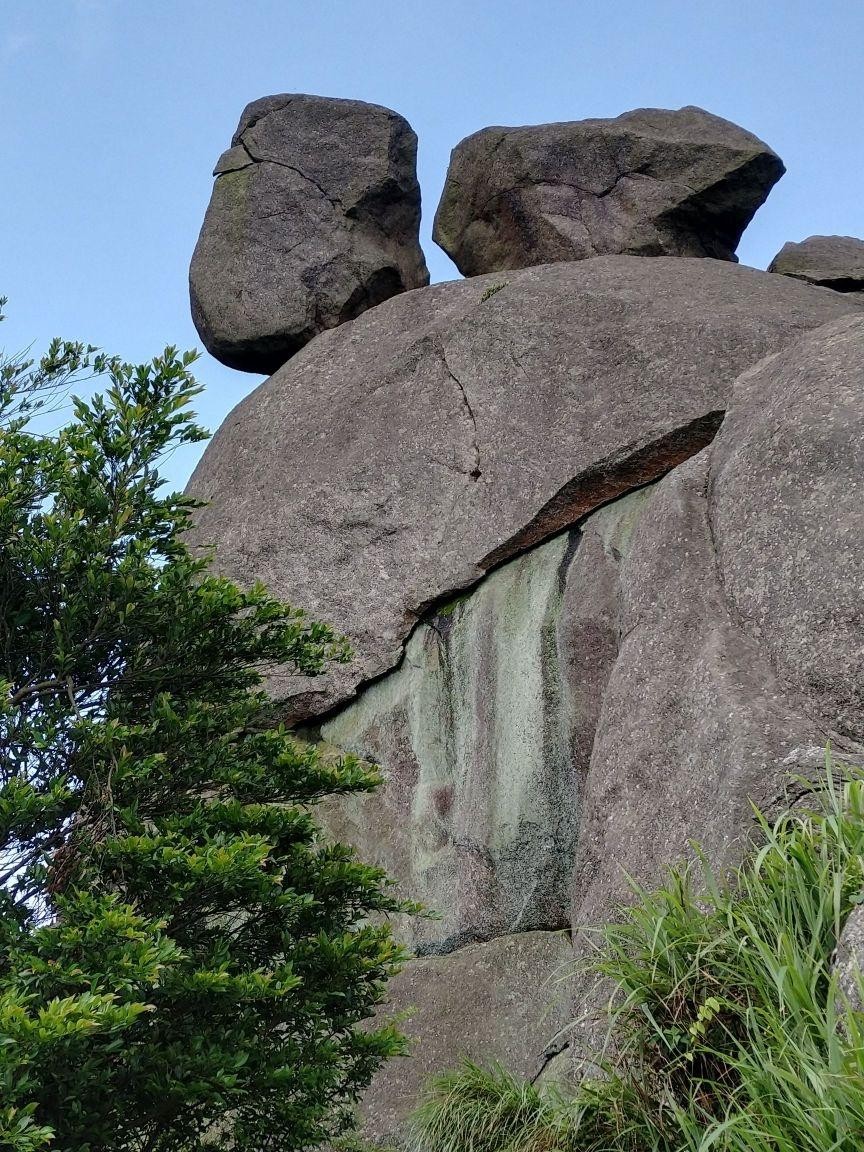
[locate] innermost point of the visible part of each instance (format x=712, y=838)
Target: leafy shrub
x=730, y=1031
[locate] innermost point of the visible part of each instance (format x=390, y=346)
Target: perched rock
x=484, y=736
x=314, y=218
x=833, y=261
x=652, y=182
x=502, y=1001
x=400, y=457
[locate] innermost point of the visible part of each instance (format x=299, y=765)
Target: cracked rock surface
x=314, y=218
x=398, y=458
x=833, y=261
x=652, y=182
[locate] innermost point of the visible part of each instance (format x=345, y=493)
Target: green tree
x=185, y=960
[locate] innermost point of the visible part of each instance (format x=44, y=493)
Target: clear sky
x=114, y=112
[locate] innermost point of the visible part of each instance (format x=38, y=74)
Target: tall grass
x=729, y=1028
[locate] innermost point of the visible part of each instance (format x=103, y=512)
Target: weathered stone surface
x=400, y=457
x=742, y=617
x=652, y=182
x=833, y=261
x=787, y=509
x=314, y=218
x=850, y=959
x=484, y=736
x=694, y=721
x=502, y=1001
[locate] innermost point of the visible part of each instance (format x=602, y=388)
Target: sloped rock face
x=787, y=510
x=833, y=261
x=742, y=617
x=314, y=218
x=585, y=633
x=400, y=457
x=484, y=734
x=497, y=1001
x=652, y=182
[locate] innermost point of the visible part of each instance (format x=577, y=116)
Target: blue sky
x=114, y=112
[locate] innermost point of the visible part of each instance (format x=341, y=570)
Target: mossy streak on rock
x=232, y=196
x=474, y=734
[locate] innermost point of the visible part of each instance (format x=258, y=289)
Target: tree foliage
x=185, y=960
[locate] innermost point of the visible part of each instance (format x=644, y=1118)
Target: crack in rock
x=632, y=467
x=475, y=472
x=334, y=201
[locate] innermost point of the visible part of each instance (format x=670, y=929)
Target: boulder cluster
x=592, y=522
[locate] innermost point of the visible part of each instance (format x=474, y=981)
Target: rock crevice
x=475, y=472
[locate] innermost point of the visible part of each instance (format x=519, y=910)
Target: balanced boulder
x=314, y=218
x=652, y=182
x=833, y=261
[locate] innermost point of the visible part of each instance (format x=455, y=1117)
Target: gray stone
x=502, y=1001
x=400, y=457
x=849, y=961
x=833, y=261
x=314, y=218
x=742, y=612
x=652, y=182
x=483, y=735
x=787, y=510
x=694, y=722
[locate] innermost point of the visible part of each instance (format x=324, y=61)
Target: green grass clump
x=729, y=1030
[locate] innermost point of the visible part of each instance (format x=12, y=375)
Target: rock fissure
x=555, y=1048
x=424, y=615
x=630, y=468
x=336, y=203
x=270, y=106
x=475, y=473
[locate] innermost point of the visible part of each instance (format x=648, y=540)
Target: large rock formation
x=587, y=631
x=505, y=1001
x=833, y=261
x=652, y=182
x=399, y=458
x=314, y=218
x=742, y=626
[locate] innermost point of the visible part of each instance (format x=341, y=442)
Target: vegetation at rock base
x=185, y=962
x=730, y=1030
